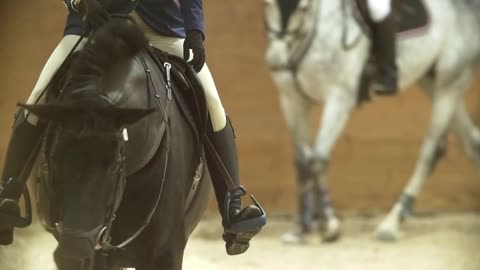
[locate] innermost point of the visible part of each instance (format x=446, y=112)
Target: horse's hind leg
x=296, y=112
x=445, y=101
x=468, y=132
x=335, y=116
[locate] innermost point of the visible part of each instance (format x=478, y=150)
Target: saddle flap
x=145, y=136
x=191, y=89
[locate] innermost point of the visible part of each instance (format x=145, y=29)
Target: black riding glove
x=194, y=42
x=94, y=14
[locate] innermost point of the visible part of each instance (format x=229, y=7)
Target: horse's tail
x=118, y=40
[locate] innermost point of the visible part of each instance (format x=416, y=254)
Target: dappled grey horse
x=317, y=53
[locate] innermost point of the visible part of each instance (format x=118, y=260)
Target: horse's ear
x=52, y=112
x=127, y=116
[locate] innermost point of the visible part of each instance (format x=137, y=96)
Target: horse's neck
x=329, y=9
x=335, y=26
x=320, y=23
x=141, y=86
x=334, y=18
x=328, y=64
x=329, y=16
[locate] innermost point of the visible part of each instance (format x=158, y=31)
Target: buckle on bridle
x=168, y=73
x=101, y=242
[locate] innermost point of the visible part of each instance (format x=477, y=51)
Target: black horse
x=118, y=159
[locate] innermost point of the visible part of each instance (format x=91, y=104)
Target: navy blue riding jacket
x=168, y=17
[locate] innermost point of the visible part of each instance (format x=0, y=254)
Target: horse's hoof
x=332, y=236
x=332, y=231
x=293, y=237
x=384, y=235
x=6, y=237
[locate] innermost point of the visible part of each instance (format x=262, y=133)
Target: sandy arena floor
x=442, y=242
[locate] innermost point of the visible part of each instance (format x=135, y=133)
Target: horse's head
x=85, y=140
x=287, y=22
x=86, y=172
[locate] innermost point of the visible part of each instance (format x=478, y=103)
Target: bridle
x=100, y=236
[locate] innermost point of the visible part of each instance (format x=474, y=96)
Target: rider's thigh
x=53, y=63
x=171, y=45
x=174, y=46
x=379, y=9
x=215, y=107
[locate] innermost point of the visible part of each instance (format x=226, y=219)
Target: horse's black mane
x=116, y=41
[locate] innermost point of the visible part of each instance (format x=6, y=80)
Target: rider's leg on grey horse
x=25, y=136
x=240, y=224
x=383, y=47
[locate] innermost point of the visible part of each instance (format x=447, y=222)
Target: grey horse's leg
x=296, y=111
x=445, y=101
x=468, y=132
x=335, y=116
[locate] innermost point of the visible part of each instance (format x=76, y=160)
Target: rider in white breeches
x=383, y=44
x=171, y=45
x=172, y=27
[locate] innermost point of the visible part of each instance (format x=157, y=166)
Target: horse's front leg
x=446, y=100
x=335, y=116
x=468, y=132
x=170, y=259
x=296, y=112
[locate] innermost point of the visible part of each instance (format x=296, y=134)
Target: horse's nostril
x=72, y=263
x=74, y=254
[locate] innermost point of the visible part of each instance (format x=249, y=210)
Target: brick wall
x=374, y=157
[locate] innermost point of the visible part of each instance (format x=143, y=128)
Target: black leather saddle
x=411, y=16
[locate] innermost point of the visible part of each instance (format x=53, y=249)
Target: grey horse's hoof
x=331, y=238
x=295, y=236
x=331, y=230
x=386, y=236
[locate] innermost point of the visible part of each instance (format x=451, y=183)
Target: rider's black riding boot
x=384, y=50
x=240, y=225
x=16, y=170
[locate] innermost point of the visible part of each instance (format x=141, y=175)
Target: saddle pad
x=411, y=16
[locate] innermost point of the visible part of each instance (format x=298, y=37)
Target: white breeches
x=53, y=64
x=174, y=46
x=168, y=44
x=379, y=9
